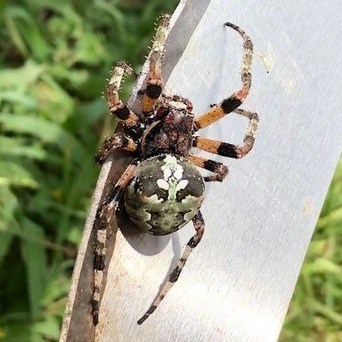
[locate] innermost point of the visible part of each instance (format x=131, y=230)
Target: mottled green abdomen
x=166, y=193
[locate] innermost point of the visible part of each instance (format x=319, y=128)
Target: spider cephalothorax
x=171, y=132
x=162, y=189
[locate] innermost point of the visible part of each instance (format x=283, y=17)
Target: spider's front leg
x=198, y=223
x=102, y=222
x=229, y=104
x=116, y=106
x=155, y=82
x=218, y=111
x=121, y=111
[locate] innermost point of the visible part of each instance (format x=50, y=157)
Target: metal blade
x=238, y=282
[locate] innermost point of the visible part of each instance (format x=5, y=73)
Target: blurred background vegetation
x=55, y=57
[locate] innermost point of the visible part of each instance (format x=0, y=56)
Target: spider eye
x=178, y=105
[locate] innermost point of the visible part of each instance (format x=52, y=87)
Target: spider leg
x=235, y=100
x=220, y=170
x=155, y=82
x=116, y=106
x=198, y=223
x=102, y=219
x=118, y=140
x=230, y=150
x=178, y=98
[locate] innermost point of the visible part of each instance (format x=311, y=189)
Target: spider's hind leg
x=230, y=150
x=198, y=223
x=236, y=99
x=155, y=82
x=219, y=170
x=102, y=221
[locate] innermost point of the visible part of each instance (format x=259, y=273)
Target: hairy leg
x=102, y=222
x=117, y=141
x=174, y=275
x=219, y=170
x=230, y=150
x=181, y=99
x=116, y=106
x=155, y=82
x=218, y=111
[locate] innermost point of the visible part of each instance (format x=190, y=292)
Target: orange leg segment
x=155, y=82
x=235, y=100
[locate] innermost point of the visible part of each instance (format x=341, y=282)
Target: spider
x=162, y=189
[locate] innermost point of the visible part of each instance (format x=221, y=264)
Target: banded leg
x=102, y=221
x=181, y=99
x=174, y=275
x=116, y=106
x=118, y=140
x=230, y=150
x=220, y=170
x=155, y=81
x=235, y=100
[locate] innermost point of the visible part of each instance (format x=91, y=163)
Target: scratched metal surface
x=238, y=282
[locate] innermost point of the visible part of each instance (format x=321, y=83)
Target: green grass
x=55, y=57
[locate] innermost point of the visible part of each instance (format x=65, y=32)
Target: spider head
x=171, y=132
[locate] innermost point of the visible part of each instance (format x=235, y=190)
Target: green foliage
x=55, y=57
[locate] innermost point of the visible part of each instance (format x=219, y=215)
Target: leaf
x=20, y=78
x=90, y=49
x=19, y=331
x=35, y=259
x=323, y=266
x=16, y=147
x=6, y=239
x=20, y=22
x=49, y=329
x=57, y=288
x=47, y=131
x=18, y=97
x=14, y=174
x=8, y=205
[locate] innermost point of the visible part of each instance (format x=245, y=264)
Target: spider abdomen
x=166, y=192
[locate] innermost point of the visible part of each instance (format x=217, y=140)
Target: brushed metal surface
x=238, y=282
